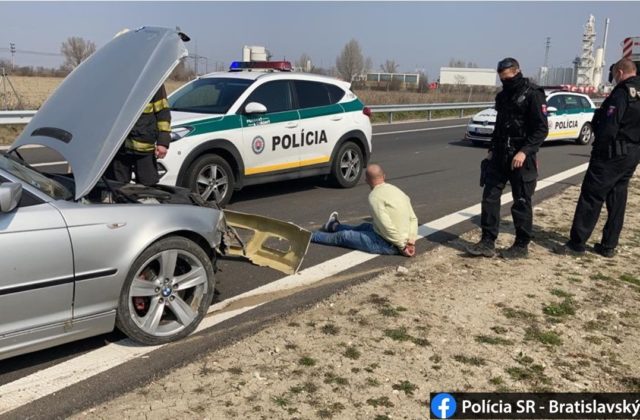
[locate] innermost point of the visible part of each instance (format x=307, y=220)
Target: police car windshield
x=24, y=172
x=213, y=95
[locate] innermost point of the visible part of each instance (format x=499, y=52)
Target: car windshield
x=25, y=173
x=211, y=95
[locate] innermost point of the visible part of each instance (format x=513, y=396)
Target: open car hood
x=89, y=115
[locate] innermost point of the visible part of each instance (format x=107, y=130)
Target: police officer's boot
x=605, y=252
x=517, y=250
x=484, y=248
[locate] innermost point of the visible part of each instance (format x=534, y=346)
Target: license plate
x=484, y=130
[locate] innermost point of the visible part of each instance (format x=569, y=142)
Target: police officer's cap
x=507, y=63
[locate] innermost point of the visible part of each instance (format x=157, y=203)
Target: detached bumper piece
x=266, y=241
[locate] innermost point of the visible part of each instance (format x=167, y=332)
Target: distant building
x=556, y=76
x=403, y=80
x=468, y=76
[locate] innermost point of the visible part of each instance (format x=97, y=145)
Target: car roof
x=564, y=92
x=277, y=75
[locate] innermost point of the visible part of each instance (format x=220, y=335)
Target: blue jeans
x=361, y=237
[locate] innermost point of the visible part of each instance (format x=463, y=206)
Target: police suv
x=569, y=115
x=260, y=123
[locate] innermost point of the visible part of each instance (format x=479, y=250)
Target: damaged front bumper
x=265, y=241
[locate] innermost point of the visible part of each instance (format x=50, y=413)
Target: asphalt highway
x=427, y=160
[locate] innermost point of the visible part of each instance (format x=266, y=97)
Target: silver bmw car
x=80, y=254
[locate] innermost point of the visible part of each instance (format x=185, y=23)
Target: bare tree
x=182, y=72
x=305, y=63
x=389, y=66
x=350, y=62
x=75, y=50
x=368, y=65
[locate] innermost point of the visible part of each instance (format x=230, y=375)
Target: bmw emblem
x=257, y=145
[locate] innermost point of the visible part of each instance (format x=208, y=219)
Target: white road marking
x=55, y=378
x=45, y=382
x=419, y=129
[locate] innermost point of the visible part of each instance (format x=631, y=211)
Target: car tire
x=157, y=306
x=347, y=166
x=211, y=177
x=586, y=132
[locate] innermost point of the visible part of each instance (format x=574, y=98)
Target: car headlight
x=180, y=132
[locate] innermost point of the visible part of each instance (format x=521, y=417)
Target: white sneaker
x=333, y=218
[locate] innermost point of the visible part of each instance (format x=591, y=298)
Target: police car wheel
x=211, y=177
x=167, y=292
x=586, y=132
x=348, y=165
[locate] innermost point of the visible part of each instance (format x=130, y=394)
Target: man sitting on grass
x=394, y=228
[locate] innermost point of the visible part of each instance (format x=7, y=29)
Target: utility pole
x=12, y=48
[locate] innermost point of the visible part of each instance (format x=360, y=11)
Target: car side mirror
x=255, y=108
x=10, y=194
x=552, y=110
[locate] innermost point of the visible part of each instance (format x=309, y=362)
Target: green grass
x=496, y=380
x=499, y=330
x=307, y=361
x=380, y=402
x=281, y=401
x=486, y=339
x=630, y=279
x=330, y=329
x=406, y=387
x=473, y=361
x=422, y=342
x=549, y=338
x=561, y=293
x=352, y=353
x=511, y=313
x=378, y=300
x=330, y=378
x=565, y=308
x=532, y=373
x=372, y=382
x=600, y=276
x=398, y=334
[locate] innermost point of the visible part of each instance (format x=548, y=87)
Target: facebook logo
x=443, y=406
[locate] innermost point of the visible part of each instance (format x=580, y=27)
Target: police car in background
x=260, y=123
x=569, y=115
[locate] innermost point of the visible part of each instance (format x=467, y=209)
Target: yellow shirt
x=393, y=216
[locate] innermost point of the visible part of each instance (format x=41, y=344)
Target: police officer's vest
x=513, y=106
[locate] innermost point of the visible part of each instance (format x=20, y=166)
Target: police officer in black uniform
x=614, y=157
x=521, y=127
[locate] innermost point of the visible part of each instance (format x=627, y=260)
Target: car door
x=556, y=118
x=322, y=120
x=271, y=140
x=36, y=284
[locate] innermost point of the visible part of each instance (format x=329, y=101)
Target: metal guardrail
x=16, y=117
x=23, y=117
x=429, y=108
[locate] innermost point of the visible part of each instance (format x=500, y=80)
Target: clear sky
x=417, y=35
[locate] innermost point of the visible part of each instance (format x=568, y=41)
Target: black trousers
x=125, y=162
x=606, y=180
x=523, y=185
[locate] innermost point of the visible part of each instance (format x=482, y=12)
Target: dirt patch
x=377, y=350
